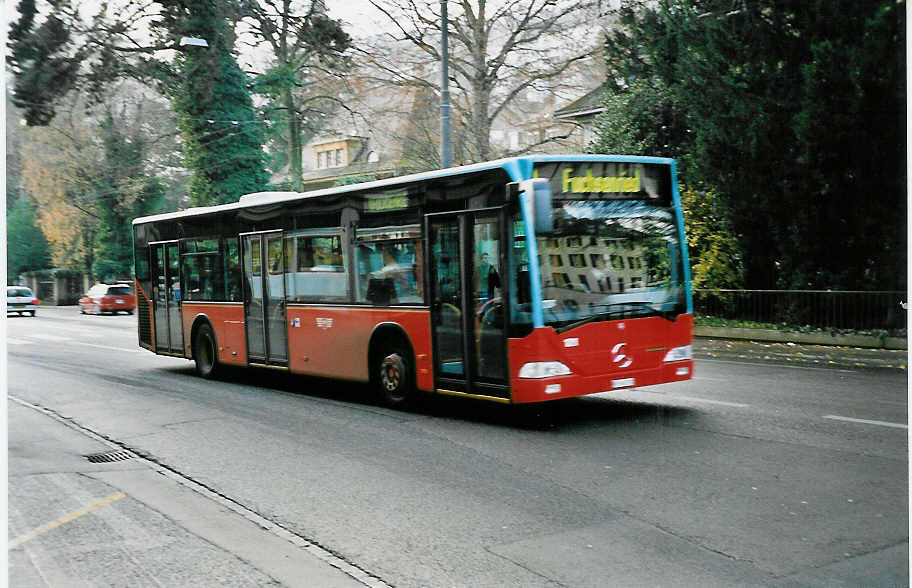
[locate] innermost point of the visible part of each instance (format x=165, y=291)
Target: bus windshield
x=610, y=259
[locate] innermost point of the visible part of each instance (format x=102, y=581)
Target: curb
x=869, y=341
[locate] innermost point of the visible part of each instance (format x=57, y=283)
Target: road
x=755, y=473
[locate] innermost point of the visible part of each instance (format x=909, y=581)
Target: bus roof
x=517, y=168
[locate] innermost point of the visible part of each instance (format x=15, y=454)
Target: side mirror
x=538, y=203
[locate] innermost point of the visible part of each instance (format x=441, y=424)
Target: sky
x=362, y=17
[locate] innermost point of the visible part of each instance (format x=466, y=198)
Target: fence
x=56, y=286
x=824, y=309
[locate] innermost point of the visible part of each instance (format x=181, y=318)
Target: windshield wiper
x=670, y=315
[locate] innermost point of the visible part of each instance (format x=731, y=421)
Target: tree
x=715, y=256
x=123, y=191
x=222, y=138
x=779, y=109
x=498, y=52
x=55, y=158
x=26, y=247
x=659, y=127
x=306, y=48
x=92, y=171
x=42, y=60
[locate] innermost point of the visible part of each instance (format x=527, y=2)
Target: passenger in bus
x=394, y=271
x=487, y=280
x=388, y=283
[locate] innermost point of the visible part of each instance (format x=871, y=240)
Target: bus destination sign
x=608, y=180
x=386, y=202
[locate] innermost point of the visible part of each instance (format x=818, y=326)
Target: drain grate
x=109, y=456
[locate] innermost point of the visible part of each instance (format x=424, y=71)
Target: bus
x=521, y=280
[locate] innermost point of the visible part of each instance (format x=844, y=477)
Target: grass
x=714, y=321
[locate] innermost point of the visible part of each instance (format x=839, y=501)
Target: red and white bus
x=519, y=280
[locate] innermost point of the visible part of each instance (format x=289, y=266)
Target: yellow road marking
x=62, y=520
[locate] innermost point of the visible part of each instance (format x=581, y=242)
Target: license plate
x=119, y=301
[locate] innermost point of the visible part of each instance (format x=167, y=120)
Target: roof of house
x=591, y=103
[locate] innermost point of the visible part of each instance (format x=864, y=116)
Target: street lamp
x=193, y=42
x=444, y=89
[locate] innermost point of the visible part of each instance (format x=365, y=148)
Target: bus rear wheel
x=205, y=352
x=394, y=377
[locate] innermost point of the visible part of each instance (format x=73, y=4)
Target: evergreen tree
x=124, y=191
x=41, y=58
x=26, y=246
x=791, y=113
x=222, y=138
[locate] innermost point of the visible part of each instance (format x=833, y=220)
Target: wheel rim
x=391, y=373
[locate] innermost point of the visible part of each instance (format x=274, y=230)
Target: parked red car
x=113, y=298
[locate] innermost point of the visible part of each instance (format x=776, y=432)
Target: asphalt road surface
x=764, y=470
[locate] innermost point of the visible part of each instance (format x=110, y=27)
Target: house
x=583, y=113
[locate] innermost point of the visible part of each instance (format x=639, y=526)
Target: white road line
x=109, y=347
x=763, y=363
x=638, y=395
x=708, y=401
x=45, y=337
x=834, y=417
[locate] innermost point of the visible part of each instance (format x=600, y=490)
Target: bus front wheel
x=394, y=377
x=205, y=352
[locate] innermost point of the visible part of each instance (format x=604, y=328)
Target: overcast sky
x=359, y=16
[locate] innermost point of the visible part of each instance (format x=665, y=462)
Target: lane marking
x=771, y=364
x=45, y=337
x=834, y=417
x=55, y=338
x=108, y=347
x=63, y=520
x=638, y=393
x=708, y=401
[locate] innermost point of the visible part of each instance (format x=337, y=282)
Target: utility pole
x=444, y=89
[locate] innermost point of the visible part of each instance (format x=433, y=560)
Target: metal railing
x=823, y=309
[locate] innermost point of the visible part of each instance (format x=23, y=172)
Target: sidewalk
x=791, y=353
x=131, y=523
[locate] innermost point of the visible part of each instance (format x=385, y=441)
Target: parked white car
x=21, y=299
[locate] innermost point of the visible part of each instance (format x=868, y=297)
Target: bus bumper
x=544, y=389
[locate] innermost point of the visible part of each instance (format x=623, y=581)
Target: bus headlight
x=543, y=369
x=679, y=353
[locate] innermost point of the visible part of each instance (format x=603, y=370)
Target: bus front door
x=468, y=317
x=166, y=295
x=264, y=298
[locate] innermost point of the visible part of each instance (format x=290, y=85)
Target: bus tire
x=205, y=352
x=394, y=376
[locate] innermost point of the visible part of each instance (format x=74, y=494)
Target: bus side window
x=232, y=267
x=389, y=272
x=315, y=268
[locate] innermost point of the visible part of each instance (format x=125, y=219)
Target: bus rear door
x=166, y=297
x=264, y=298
